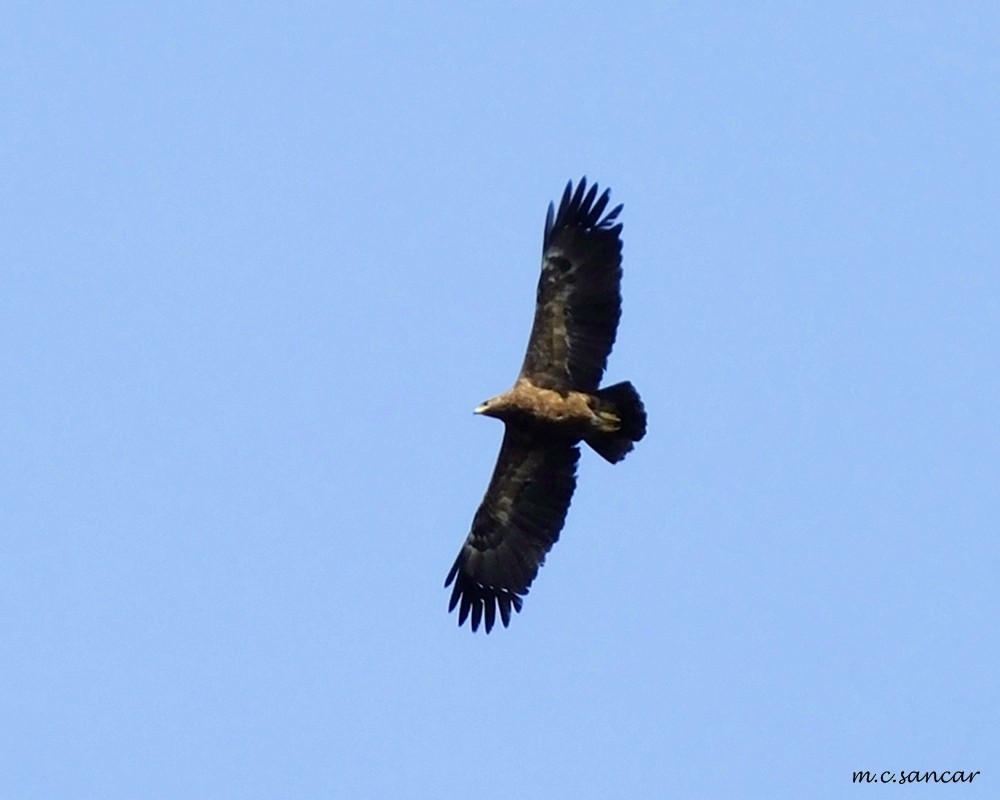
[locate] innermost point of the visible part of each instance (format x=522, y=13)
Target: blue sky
x=260, y=263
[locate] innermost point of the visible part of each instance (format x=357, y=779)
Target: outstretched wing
x=579, y=293
x=516, y=525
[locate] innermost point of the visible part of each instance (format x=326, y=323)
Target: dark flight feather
x=578, y=303
x=517, y=523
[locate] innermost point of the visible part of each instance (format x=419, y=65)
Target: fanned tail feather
x=622, y=401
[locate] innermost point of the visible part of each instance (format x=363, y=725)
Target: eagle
x=555, y=404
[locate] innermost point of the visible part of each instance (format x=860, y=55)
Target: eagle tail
x=622, y=410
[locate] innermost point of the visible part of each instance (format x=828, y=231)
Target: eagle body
x=554, y=405
x=569, y=414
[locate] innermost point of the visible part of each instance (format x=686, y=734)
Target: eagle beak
x=479, y=409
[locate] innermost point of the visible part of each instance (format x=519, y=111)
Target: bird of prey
x=555, y=404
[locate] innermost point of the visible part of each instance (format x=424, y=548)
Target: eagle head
x=494, y=407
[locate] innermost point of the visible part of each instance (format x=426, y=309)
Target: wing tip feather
x=581, y=208
x=478, y=603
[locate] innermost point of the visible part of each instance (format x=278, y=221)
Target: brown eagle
x=554, y=404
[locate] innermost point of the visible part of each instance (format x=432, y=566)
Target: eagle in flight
x=555, y=404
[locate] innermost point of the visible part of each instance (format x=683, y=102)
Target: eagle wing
x=578, y=304
x=515, y=526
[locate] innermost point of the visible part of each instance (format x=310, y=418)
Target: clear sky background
x=257, y=266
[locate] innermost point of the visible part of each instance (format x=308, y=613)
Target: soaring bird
x=553, y=406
